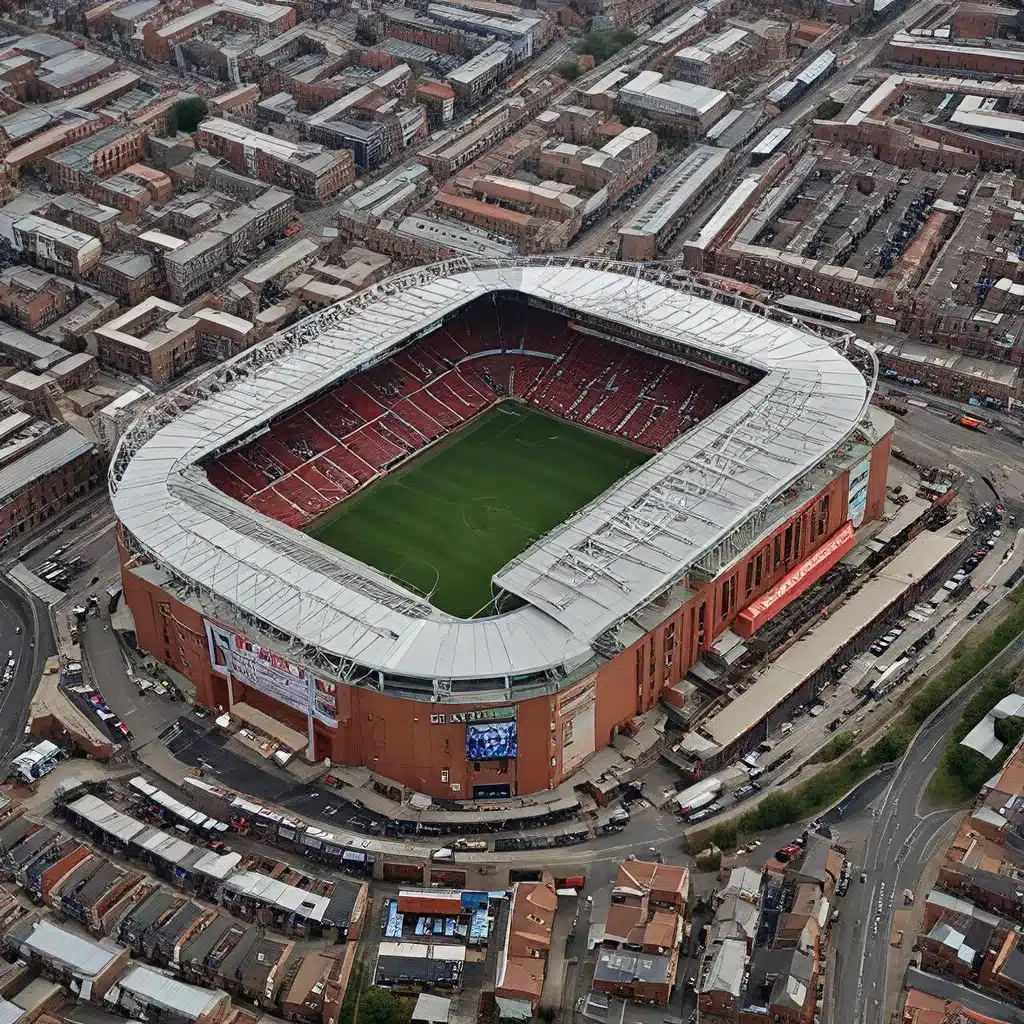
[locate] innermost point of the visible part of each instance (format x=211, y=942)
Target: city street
x=900, y=840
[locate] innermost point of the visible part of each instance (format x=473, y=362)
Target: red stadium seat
x=313, y=459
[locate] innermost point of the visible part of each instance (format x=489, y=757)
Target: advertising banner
x=858, y=495
x=266, y=671
x=812, y=568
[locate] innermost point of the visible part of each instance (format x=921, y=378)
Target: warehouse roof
x=49, y=456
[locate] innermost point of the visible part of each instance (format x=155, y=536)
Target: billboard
x=811, y=569
x=858, y=494
x=266, y=671
x=492, y=741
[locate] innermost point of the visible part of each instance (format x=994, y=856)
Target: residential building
x=264, y=20
x=45, y=480
x=130, y=276
x=481, y=74
x=190, y=267
x=135, y=189
x=27, y=351
x=222, y=335
x=53, y=246
x=70, y=72
x=31, y=298
x=308, y=169
x=523, y=957
x=151, y=340
x=85, y=215
x=716, y=60
x=106, y=152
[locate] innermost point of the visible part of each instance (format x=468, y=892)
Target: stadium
x=465, y=527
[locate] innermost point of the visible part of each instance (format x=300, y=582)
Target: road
x=25, y=631
x=901, y=839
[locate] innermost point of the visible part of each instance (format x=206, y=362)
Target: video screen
x=491, y=741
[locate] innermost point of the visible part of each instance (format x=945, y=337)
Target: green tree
x=186, y=115
x=970, y=767
x=601, y=45
x=570, y=70
x=378, y=1006
x=827, y=110
x=1009, y=730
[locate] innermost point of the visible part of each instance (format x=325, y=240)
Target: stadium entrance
x=492, y=792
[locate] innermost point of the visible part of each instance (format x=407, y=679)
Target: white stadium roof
x=686, y=505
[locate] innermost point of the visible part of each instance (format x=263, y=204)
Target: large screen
x=490, y=741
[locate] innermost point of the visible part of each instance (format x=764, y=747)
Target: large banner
x=809, y=571
x=858, y=493
x=576, y=710
x=266, y=671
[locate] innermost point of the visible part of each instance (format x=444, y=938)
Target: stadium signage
x=266, y=671
x=484, y=715
x=795, y=583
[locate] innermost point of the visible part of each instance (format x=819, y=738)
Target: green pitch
x=448, y=520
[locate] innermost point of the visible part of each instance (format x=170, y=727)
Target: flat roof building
x=692, y=107
x=53, y=246
x=152, y=340
x=308, y=169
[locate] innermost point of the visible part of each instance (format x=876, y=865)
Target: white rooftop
x=650, y=91
x=684, y=506
x=982, y=737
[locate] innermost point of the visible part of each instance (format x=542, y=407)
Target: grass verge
x=825, y=787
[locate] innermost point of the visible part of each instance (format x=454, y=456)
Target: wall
x=395, y=736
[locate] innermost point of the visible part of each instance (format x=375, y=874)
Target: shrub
x=602, y=44
x=1009, y=730
x=186, y=115
x=836, y=747
x=570, y=70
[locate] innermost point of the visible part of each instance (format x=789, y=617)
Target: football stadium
x=465, y=528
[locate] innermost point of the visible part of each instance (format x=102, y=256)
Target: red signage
x=811, y=569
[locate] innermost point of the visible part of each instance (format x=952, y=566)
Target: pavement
x=901, y=838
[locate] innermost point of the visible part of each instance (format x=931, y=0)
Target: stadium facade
x=717, y=530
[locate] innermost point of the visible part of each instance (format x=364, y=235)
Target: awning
x=289, y=738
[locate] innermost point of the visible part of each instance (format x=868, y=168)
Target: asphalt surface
x=974, y=1000
x=31, y=647
x=901, y=839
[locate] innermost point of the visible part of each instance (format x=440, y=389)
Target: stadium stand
x=316, y=457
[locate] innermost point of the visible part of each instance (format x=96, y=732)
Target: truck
x=970, y=423
x=698, y=795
